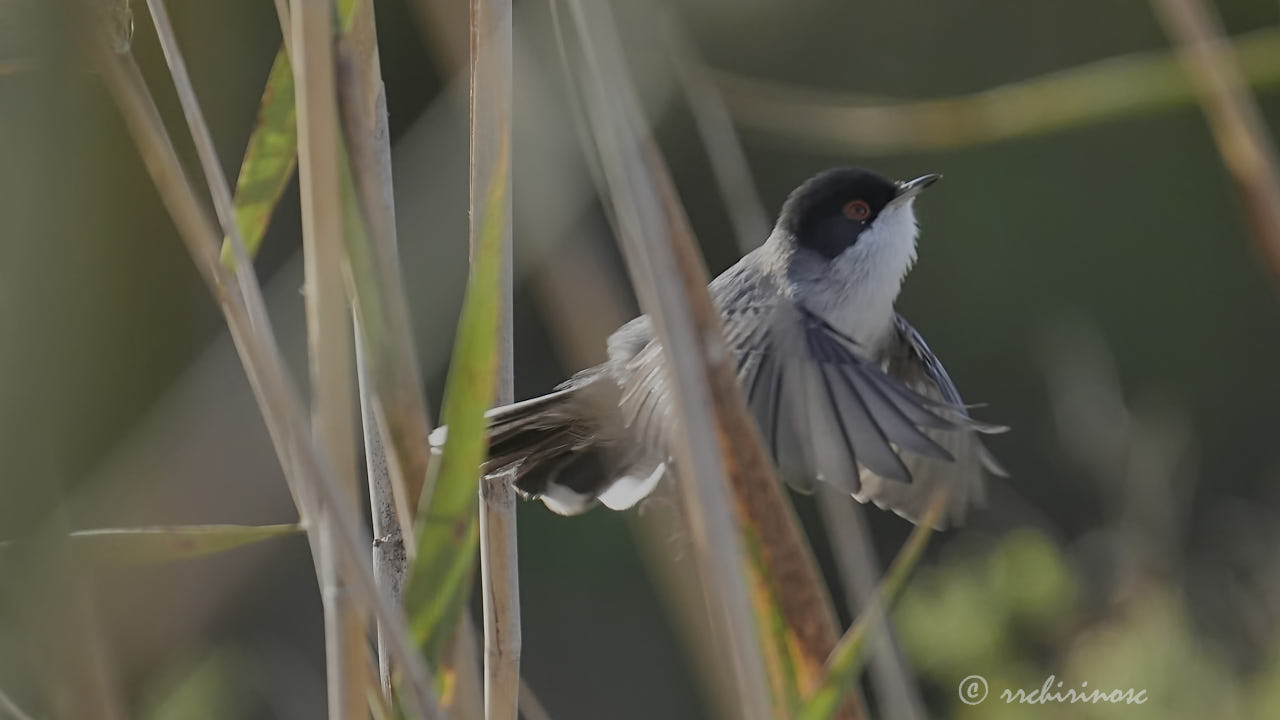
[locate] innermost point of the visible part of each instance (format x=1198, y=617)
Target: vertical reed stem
x=491, y=131
x=329, y=335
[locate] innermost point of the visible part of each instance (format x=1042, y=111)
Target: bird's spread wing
x=824, y=408
x=910, y=361
x=827, y=412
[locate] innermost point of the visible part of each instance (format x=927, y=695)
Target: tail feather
x=552, y=451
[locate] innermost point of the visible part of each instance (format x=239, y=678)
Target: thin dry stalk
x=390, y=561
x=362, y=99
x=306, y=468
x=286, y=37
x=329, y=335
x=501, y=598
x=399, y=405
x=1233, y=114
x=499, y=568
x=215, y=178
x=658, y=256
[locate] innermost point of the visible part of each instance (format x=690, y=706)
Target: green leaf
x=269, y=160
x=272, y=154
x=114, y=547
x=441, y=575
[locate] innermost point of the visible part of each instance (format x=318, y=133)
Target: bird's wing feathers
x=909, y=360
x=824, y=408
x=825, y=411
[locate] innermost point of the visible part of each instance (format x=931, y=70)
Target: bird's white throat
x=858, y=289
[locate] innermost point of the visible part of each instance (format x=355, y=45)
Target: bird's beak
x=910, y=188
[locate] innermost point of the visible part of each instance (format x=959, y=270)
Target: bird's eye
x=857, y=210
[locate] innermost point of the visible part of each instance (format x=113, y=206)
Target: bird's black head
x=830, y=210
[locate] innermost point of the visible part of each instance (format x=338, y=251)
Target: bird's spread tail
x=550, y=452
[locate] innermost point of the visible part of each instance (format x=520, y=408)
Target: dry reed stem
x=500, y=598
x=1233, y=114
x=329, y=335
x=761, y=502
x=391, y=396
x=310, y=479
x=658, y=258
x=399, y=405
x=390, y=561
x=490, y=112
x=286, y=35
x=792, y=570
x=737, y=191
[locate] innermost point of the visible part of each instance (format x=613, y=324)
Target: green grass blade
x=269, y=161
x=440, y=578
x=116, y=547
x=272, y=154
x=850, y=654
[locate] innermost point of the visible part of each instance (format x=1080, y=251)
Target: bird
x=843, y=389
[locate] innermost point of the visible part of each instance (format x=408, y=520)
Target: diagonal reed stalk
x=671, y=285
x=490, y=132
x=1234, y=117
x=310, y=476
x=328, y=334
x=787, y=569
x=846, y=530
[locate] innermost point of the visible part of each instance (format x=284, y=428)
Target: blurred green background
x=1098, y=288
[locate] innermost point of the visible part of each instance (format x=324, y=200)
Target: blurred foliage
x=1013, y=610
x=210, y=689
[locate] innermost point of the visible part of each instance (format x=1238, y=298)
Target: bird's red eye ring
x=857, y=210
